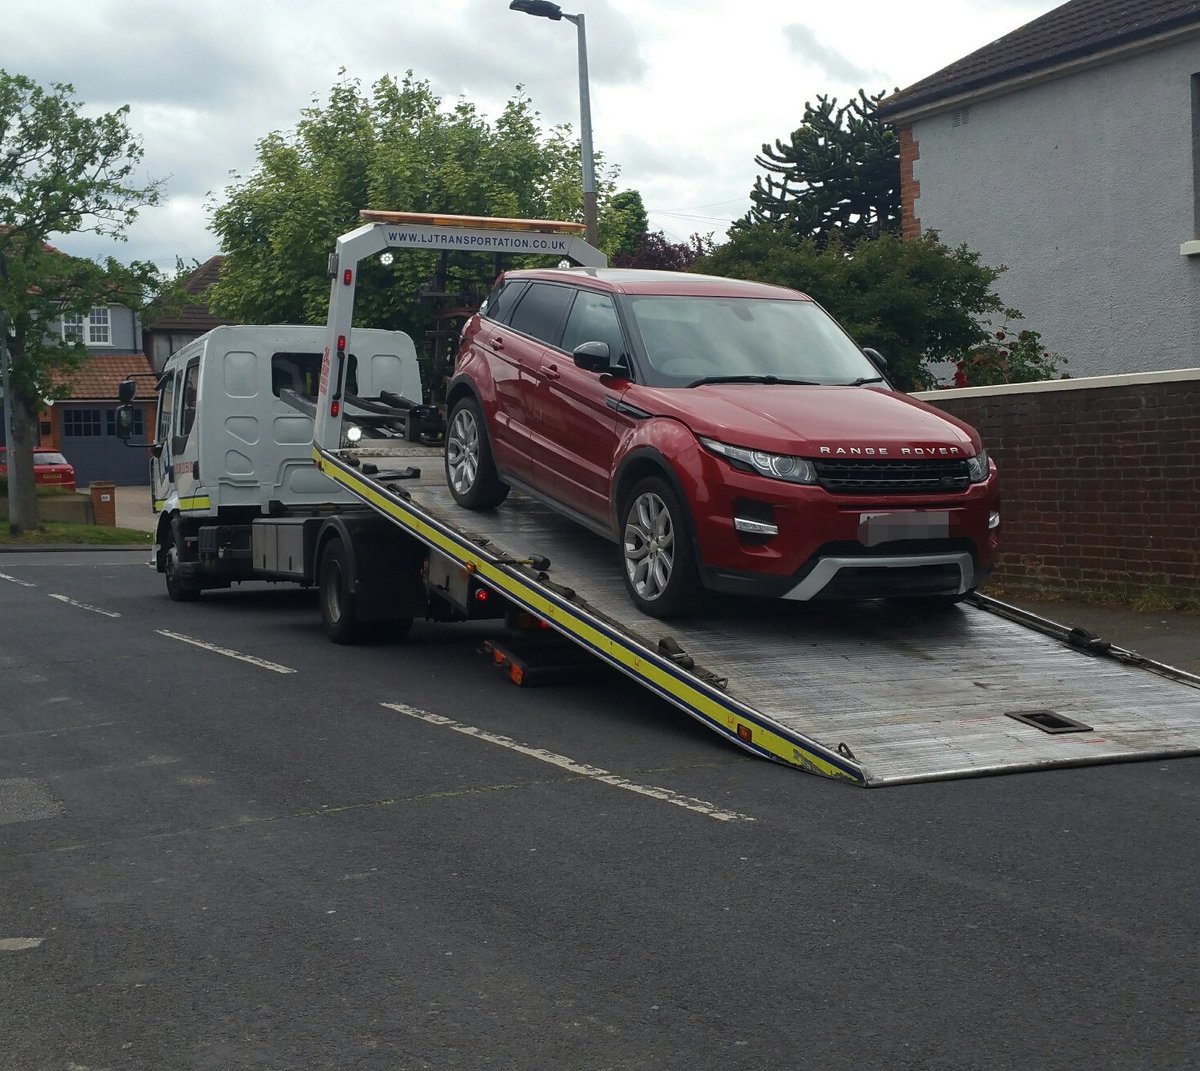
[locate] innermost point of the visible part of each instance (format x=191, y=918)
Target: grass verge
x=65, y=533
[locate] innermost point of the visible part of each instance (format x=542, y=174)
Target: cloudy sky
x=684, y=94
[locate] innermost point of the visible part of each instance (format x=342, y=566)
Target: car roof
x=664, y=283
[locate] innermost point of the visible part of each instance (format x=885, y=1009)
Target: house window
x=78, y=423
x=95, y=330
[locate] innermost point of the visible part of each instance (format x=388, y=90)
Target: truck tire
x=470, y=470
x=657, y=553
x=178, y=590
x=337, y=600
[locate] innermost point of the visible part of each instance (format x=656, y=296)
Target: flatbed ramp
x=874, y=693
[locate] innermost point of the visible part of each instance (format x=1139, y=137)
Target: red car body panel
x=581, y=439
x=50, y=469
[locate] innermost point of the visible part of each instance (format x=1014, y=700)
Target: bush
x=1007, y=358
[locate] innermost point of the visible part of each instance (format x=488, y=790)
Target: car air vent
x=854, y=476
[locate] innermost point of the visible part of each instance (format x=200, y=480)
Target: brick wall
x=910, y=187
x=1100, y=480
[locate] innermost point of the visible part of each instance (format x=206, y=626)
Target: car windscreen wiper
x=769, y=380
x=865, y=379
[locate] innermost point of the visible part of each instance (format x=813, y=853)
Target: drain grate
x=1048, y=721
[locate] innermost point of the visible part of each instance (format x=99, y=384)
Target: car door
x=501, y=349
x=575, y=438
x=536, y=320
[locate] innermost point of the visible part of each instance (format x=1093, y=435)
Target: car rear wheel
x=470, y=471
x=656, y=547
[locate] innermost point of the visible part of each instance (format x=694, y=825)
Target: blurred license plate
x=52, y=475
x=876, y=528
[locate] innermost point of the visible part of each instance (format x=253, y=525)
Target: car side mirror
x=876, y=358
x=592, y=356
x=124, y=427
x=126, y=392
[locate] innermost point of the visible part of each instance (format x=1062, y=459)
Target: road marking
x=666, y=795
x=262, y=663
x=14, y=580
x=19, y=944
x=85, y=606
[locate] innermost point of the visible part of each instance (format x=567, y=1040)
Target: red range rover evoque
x=727, y=435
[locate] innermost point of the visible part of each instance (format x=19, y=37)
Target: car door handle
x=496, y=342
x=550, y=371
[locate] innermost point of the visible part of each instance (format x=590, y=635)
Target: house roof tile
x=1075, y=30
x=100, y=376
x=193, y=318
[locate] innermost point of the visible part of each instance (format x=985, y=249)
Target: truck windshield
x=690, y=338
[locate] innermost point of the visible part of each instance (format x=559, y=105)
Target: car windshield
x=749, y=340
x=43, y=457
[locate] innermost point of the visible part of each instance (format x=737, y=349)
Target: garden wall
x=1100, y=480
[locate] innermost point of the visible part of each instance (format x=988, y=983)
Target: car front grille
x=852, y=476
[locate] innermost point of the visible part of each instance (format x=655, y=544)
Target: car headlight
x=977, y=467
x=773, y=466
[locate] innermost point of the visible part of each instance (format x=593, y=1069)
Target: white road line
x=262, y=663
x=14, y=580
x=85, y=606
x=666, y=795
x=19, y=944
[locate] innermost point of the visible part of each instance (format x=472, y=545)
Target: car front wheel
x=656, y=548
x=470, y=471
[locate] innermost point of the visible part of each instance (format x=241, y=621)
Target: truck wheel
x=337, y=600
x=470, y=471
x=657, y=553
x=178, y=590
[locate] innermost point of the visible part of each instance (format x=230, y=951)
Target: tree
x=623, y=224
x=395, y=148
x=918, y=302
x=654, y=250
x=61, y=172
x=839, y=173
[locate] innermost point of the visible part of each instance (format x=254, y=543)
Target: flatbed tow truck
x=871, y=693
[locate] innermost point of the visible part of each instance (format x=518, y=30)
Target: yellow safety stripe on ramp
x=733, y=720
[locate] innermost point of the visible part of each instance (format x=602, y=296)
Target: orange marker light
x=744, y=732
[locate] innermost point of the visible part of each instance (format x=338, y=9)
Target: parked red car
x=728, y=435
x=50, y=468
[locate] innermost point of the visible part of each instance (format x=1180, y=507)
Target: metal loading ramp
x=877, y=693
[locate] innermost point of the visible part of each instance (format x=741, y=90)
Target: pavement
x=1168, y=636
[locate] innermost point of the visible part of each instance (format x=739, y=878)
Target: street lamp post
x=544, y=9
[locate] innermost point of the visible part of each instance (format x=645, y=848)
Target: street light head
x=542, y=8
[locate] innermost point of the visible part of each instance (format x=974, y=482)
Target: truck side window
x=191, y=384
x=166, y=408
x=300, y=372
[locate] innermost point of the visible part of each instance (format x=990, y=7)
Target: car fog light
x=744, y=524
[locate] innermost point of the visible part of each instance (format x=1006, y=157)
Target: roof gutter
x=924, y=107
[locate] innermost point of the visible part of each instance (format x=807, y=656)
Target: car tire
x=658, y=559
x=178, y=589
x=338, y=613
x=470, y=470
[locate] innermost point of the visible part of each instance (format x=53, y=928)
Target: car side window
x=541, y=311
x=502, y=299
x=593, y=318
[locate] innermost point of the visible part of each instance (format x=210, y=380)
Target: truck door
x=185, y=440
x=161, y=481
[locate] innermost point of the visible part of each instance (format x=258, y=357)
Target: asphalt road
x=211, y=862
